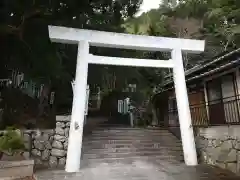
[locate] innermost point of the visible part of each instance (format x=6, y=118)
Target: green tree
x=25, y=33
x=222, y=23
x=220, y=19
x=26, y=44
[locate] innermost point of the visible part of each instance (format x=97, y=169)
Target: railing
x=224, y=111
x=28, y=87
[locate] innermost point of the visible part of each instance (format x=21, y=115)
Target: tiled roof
x=199, y=68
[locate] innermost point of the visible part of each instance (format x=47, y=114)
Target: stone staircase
x=111, y=143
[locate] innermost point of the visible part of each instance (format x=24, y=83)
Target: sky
x=147, y=5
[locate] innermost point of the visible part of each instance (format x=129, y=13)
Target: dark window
x=222, y=101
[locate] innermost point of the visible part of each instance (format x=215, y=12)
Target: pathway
x=141, y=170
x=123, y=153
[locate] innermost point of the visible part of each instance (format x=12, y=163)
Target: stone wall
x=220, y=145
x=49, y=147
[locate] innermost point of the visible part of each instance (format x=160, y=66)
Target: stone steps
x=154, y=145
x=129, y=137
x=129, y=133
x=111, y=126
x=131, y=149
x=109, y=144
x=130, y=160
x=136, y=130
x=119, y=153
x=128, y=141
x=102, y=146
x=131, y=146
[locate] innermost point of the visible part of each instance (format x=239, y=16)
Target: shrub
x=11, y=141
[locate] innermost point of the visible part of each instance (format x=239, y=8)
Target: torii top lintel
x=125, y=41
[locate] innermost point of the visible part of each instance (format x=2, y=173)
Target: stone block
x=38, y=144
x=57, y=144
x=47, y=145
x=63, y=118
x=60, y=131
x=60, y=124
x=237, y=145
x=216, y=142
x=227, y=145
x=68, y=124
x=49, y=132
x=60, y=138
x=42, y=137
x=213, y=153
x=58, y=152
x=62, y=162
x=232, y=167
x=45, y=154
x=53, y=161
x=228, y=157
x=36, y=152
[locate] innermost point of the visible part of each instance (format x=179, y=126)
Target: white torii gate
x=86, y=38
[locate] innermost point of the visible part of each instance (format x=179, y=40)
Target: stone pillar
x=188, y=143
x=78, y=109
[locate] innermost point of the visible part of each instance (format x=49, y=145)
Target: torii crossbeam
x=86, y=38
